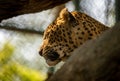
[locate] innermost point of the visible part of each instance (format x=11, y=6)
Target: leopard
x=66, y=33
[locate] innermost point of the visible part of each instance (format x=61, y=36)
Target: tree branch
x=21, y=30
x=96, y=60
x=10, y=8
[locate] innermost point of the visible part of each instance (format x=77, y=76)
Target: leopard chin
x=52, y=63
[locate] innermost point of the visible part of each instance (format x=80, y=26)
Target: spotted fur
x=66, y=33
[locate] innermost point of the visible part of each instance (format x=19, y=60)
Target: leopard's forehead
x=57, y=34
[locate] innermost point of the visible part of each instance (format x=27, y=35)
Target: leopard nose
x=40, y=52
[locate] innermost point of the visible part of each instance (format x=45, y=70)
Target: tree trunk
x=117, y=10
x=96, y=60
x=77, y=4
x=10, y=8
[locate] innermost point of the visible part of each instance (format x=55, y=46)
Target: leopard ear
x=66, y=15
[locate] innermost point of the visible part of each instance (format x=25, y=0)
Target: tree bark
x=10, y=8
x=96, y=60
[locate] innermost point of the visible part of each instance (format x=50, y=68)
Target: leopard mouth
x=52, y=57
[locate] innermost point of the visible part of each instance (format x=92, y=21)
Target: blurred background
x=21, y=38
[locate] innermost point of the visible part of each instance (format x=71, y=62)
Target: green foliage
x=13, y=71
x=5, y=53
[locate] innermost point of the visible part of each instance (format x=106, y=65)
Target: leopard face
x=66, y=33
